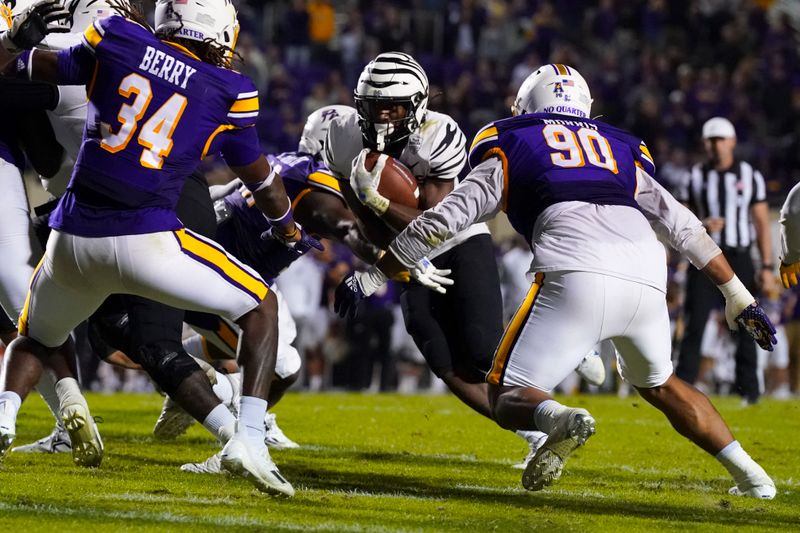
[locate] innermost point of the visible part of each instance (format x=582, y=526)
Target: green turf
x=396, y=463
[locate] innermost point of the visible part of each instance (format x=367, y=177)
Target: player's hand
x=354, y=288
x=348, y=295
x=300, y=242
x=757, y=324
x=365, y=182
x=789, y=274
x=425, y=273
x=32, y=25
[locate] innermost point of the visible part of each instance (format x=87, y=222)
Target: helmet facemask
x=390, y=80
x=377, y=126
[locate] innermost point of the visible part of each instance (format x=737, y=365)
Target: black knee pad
x=168, y=368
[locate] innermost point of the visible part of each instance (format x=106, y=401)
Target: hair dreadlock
x=208, y=51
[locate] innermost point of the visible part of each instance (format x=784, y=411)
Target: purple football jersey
x=240, y=234
x=154, y=112
x=549, y=158
x=301, y=171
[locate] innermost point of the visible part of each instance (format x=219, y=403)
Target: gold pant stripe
x=512, y=332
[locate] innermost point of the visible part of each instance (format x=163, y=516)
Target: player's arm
x=270, y=196
x=477, y=198
x=30, y=27
x=686, y=233
x=432, y=192
x=790, y=238
x=327, y=216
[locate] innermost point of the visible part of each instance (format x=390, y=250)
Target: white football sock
x=252, y=411
x=546, y=415
x=221, y=423
x=69, y=393
x=47, y=390
x=745, y=471
x=12, y=402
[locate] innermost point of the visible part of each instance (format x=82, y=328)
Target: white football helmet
x=84, y=12
x=316, y=129
x=392, y=77
x=199, y=20
x=554, y=88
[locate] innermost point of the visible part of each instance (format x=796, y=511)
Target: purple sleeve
x=75, y=65
x=240, y=147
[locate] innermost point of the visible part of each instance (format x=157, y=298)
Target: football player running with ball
x=456, y=330
x=159, y=103
x=581, y=192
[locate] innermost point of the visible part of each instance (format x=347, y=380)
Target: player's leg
x=21, y=251
x=60, y=297
x=645, y=363
x=559, y=320
x=185, y=262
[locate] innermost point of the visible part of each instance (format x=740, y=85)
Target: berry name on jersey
x=166, y=67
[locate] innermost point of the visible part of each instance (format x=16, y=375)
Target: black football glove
x=757, y=324
x=301, y=246
x=30, y=27
x=349, y=294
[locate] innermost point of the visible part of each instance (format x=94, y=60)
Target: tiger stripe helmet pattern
x=392, y=77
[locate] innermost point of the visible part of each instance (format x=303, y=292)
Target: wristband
x=256, y=186
x=767, y=266
x=371, y=280
x=284, y=219
x=736, y=293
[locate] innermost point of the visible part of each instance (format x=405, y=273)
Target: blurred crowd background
x=659, y=68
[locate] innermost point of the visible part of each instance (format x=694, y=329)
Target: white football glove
x=365, y=182
x=426, y=274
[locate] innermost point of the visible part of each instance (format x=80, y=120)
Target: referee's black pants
x=702, y=296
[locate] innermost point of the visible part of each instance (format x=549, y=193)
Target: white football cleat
x=87, y=446
x=274, y=436
x=212, y=465
x=763, y=488
x=172, y=422
x=592, y=369
x=56, y=442
x=572, y=430
x=241, y=458
x=535, y=440
x=8, y=427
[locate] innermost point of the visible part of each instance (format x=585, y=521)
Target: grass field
x=396, y=463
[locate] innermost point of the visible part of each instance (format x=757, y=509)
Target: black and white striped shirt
x=727, y=195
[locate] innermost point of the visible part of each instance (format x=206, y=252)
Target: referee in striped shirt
x=729, y=196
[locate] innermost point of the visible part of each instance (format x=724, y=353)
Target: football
x=397, y=184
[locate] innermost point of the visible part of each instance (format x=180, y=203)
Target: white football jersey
x=437, y=150
x=68, y=118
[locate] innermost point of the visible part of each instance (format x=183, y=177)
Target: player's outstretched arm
x=477, y=198
x=790, y=238
x=30, y=27
x=270, y=197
